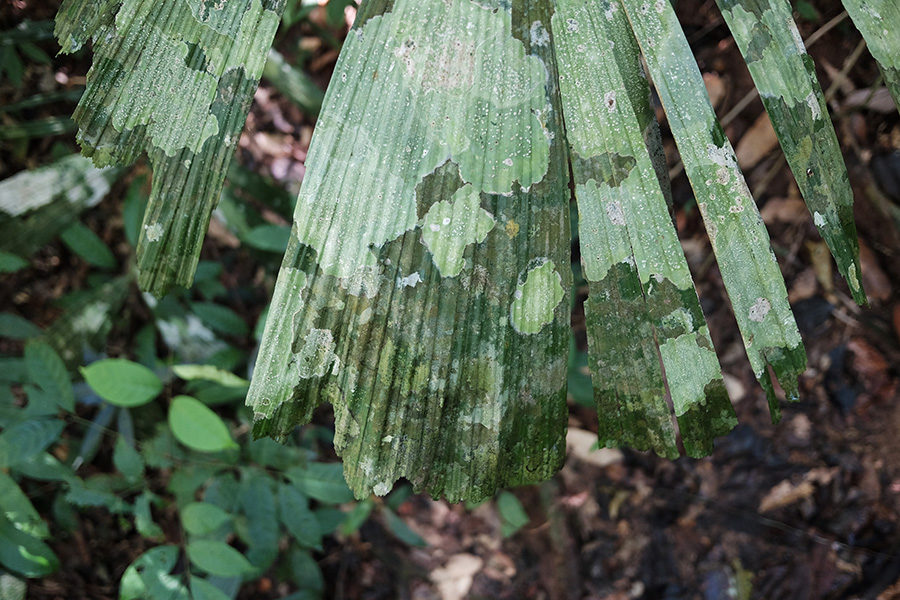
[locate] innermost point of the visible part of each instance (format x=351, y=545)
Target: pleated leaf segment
x=424, y=289
x=174, y=79
x=642, y=305
x=785, y=76
x=878, y=22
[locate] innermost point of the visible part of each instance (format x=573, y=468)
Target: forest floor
x=805, y=509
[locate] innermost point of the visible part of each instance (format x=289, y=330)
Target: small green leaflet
x=209, y=373
x=217, y=558
x=47, y=370
x=122, y=382
x=85, y=243
x=210, y=56
x=23, y=553
x=512, y=515
x=202, y=518
x=150, y=577
x=196, y=426
x=322, y=481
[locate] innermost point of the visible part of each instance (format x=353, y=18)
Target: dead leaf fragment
x=715, y=87
x=788, y=492
x=580, y=445
x=757, y=142
x=454, y=579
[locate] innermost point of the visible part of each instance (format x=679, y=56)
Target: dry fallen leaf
x=784, y=210
x=758, y=141
x=875, y=282
x=580, y=445
x=454, y=579
x=715, y=87
x=788, y=492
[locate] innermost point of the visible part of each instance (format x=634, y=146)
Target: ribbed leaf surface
x=175, y=80
x=879, y=23
x=423, y=292
x=738, y=236
x=785, y=76
x=642, y=303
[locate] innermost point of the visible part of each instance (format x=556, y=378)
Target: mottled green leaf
x=738, y=236
x=182, y=98
x=27, y=439
x=785, y=76
x=879, y=22
x=23, y=553
x=35, y=205
x=424, y=289
x=642, y=305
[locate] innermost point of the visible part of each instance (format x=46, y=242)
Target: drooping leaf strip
x=785, y=76
x=175, y=80
x=423, y=292
x=879, y=22
x=642, y=304
x=738, y=236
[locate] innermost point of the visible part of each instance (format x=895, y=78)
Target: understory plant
x=425, y=287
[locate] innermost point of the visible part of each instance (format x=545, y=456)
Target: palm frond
x=174, y=80
x=737, y=234
x=423, y=292
x=785, y=76
x=878, y=21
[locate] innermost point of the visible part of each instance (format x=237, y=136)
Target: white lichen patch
x=409, y=280
x=813, y=102
x=450, y=226
x=539, y=34
x=536, y=298
x=317, y=354
x=722, y=156
x=818, y=219
x=439, y=90
x=154, y=232
x=614, y=212
x=759, y=310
